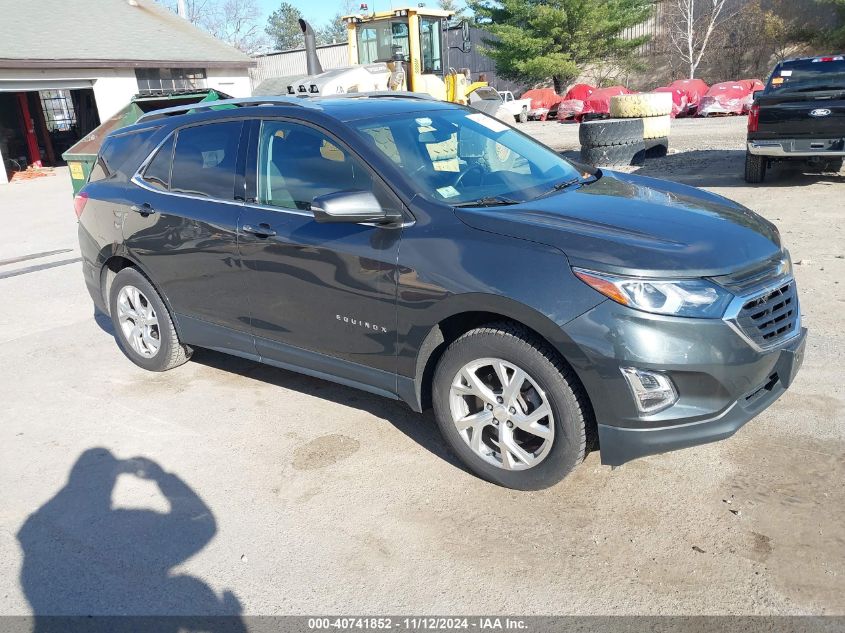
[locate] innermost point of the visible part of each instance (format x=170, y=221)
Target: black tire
x=607, y=132
x=834, y=165
x=630, y=154
x=594, y=116
x=755, y=168
x=656, y=147
x=523, y=115
x=566, y=398
x=171, y=353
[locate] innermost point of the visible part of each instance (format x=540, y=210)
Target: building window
x=158, y=80
x=59, y=114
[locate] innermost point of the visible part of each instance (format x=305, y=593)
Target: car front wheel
x=510, y=408
x=143, y=327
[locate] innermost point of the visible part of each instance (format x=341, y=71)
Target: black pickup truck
x=800, y=116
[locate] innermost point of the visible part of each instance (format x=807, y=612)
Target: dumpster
x=81, y=157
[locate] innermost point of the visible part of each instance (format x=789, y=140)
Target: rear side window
x=157, y=172
x=204, y=160
x=120, y=155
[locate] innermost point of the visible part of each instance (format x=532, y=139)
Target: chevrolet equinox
x=426, y=252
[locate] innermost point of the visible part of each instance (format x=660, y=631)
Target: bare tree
x=690, y=27
x=236, y=22
x=233, y=21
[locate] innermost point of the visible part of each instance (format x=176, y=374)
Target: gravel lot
x=261, y=491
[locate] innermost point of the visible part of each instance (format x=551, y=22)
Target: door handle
x=262, y=230
x=144, y=209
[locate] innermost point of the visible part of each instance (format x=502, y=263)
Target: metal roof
x=106, y=33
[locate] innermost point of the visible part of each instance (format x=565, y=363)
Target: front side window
x=297, y=163
x=204, y=160
x=457, y=156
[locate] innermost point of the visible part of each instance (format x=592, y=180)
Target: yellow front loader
x=401, y=49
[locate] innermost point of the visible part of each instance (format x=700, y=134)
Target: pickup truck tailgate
x=802, y=115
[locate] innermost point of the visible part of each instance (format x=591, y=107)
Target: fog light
x=652, y=390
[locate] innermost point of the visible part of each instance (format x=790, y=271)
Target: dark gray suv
x=427, y=252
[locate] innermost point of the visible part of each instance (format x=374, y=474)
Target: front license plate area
x=790, y=361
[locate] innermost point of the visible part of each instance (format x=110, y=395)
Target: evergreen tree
x=835, y=37
x=537, y=39
x=283, y=27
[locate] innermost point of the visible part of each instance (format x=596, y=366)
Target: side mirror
x=351, y=207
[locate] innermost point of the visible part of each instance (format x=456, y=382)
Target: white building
x=65, y=66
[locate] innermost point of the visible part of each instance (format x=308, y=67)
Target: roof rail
x=279, y=100
x=381, y=93
x=210, y=105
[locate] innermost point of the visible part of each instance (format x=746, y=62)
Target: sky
x=321, y=11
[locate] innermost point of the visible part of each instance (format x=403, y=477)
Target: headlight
x=681, y=297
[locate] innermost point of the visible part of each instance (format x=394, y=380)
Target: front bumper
x=798, y=148
x=721, y=379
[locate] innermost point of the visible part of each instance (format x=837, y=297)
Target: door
x=323, y=296
x=182, y=228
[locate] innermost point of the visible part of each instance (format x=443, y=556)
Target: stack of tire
x=638, y=128
x=654, y=108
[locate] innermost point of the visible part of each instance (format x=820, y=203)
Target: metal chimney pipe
x=312, y=62
x=181, y=9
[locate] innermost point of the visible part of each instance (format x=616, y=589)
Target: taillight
x=79, y=201
x=754, y=118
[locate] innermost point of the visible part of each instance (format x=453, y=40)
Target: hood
x=630, y=224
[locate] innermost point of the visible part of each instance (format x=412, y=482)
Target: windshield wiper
x=489, y=201
x=578, y=180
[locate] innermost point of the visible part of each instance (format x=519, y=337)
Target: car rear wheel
x=834, y=165
x=755, y=168
x=510, y=408
x=143, y=327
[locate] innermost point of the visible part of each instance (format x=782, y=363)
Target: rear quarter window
x=121, y=154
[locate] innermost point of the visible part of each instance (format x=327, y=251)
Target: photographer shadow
x=83, y=557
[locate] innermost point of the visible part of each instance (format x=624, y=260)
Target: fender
x=471, y=304
x=110, y=251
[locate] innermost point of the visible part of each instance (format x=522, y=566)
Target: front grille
x=771, y=317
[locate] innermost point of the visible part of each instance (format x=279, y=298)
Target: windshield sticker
x=776, y=81
x=786, y=73
x=488, y=122
x=448, y=192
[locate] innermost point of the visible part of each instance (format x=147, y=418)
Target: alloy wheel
x=138, y=321
x=502, y=413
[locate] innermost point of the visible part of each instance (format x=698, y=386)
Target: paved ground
x=260, y=491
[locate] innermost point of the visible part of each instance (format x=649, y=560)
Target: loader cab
x=416, y=33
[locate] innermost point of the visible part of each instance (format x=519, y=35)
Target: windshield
x=825, y=73
x=459, y=156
